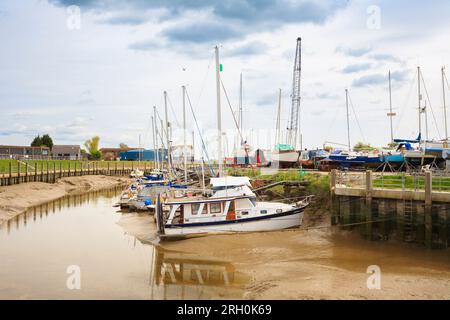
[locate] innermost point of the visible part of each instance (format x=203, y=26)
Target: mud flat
x=16, y=199
x=327, y=264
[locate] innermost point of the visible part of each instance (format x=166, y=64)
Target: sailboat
x=231, y=207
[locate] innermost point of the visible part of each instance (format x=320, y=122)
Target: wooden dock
x=51, y=172
x=418, y=212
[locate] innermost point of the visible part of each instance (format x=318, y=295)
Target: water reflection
x=36, y=247
x=177, y=275
x=42, y=211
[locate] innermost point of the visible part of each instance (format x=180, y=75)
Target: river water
x=39, y=250
x=116, y=255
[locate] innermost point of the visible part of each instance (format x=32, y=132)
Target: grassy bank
x=317, y=184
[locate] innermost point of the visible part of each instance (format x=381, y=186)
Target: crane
x=293, y=125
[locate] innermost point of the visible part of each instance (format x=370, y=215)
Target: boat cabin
x=211, y=210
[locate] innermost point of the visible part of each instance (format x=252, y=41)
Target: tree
x=47, y=141
x=393, y=145
x=91, y=146
x=123, y=146
x=361, y=146
x=37, y=141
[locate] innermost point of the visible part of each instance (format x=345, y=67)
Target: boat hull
x=285, y=220
x=285, y=158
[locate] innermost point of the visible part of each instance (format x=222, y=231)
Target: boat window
x=215, y=208
x=244, y=213
x=263, y=211
x=204, y=209
x=253, y=201
x=195, y=207
x=279, y=210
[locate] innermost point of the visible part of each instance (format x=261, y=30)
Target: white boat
x=232, y=208
x=285, y=156
x=136, y=173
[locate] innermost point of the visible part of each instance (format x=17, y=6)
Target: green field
x=41, y=165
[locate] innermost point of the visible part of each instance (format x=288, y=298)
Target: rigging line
x=173, y=112
x=431, y=108
x=446, y=80
x=231, y=109
x=160, y=119
x=399, y=121
x=205, y=78
x=200, y=134
x=356, y=118
x=159, y=131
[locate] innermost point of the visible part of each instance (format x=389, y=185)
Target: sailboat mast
x=169, y=164
x=348, y=121
x=444, y=102
x=219, y=115
x=184, y=135
x=278, y=133
x=420, y=101
x=240, y=108
x=154, y=142
x=391, y=114
x=155, y=126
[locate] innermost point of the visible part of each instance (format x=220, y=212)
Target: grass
x=65, y=164
x=410, y=182
x=318, y=184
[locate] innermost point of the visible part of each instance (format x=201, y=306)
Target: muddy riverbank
x=17, y=199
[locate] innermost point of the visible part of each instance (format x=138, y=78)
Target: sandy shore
x=17, y=199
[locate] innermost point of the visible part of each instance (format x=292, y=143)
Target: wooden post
x=48, y=173
x=54, y=172
x=69, y=170
x=10, y=173
x=81, y=168
x=428, y=209
x=123, y=168
x=368, y=205
x=18, y=172
x=334, y=211
x=42, y=171
x=88, y=169
x=35, y=171
x=115, y=168
x=60, y=169
x=26, y=171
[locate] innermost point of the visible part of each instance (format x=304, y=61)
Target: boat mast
x=184, y=135
x=420, y=102
x=219, y=115
x=203, y=176
x=278, y=133
x=348, y=121
x=155, y=126
x=169, y=164
x=444, y=102
x=154, y=142
x=193, y=147
x=391, y=114
x=240, y=109
x=293, y=130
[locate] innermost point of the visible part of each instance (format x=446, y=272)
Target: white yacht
x=231, y=208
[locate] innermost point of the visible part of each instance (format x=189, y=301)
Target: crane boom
x=294, y=127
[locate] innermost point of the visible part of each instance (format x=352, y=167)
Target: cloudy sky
x=103, y=73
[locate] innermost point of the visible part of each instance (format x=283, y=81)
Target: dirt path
x=17, y=199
